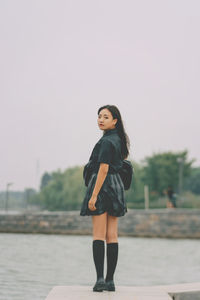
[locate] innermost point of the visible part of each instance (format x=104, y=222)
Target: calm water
x=31, y=264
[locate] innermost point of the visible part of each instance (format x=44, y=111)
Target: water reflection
x=31, y=264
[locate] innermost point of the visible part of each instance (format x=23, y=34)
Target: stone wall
x=164, y=223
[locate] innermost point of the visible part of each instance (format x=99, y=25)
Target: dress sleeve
x=105, y=152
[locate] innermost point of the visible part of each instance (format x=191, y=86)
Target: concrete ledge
x=121, y=293
x=184, y=291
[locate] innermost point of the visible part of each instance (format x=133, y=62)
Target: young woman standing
x=104, y=199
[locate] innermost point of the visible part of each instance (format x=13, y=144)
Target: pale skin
x=104, y=225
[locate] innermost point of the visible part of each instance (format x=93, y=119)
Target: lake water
x=32, y=264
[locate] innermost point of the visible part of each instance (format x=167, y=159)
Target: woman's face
x=105, y=120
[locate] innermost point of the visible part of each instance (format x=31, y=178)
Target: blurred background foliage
x=64, y=190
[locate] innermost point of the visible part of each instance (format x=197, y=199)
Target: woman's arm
x=102, y=173
x=104, y=158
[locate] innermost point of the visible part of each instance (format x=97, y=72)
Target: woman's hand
x=91, y=203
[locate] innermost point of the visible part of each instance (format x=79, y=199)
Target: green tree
x=64, y=191
x=45, y=180
x=192, y=183
x=162, y=169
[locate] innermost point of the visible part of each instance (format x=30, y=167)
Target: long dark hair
x=120, y=128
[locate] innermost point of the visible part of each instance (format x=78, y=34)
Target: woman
x=104, y=198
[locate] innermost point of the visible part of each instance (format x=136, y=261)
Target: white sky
x=61, y=60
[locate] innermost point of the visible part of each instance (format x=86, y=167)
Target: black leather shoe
x=100, y=285
x=110, y=286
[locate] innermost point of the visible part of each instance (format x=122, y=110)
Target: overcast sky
x=61, y=60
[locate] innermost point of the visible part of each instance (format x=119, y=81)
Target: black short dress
x=111, y=196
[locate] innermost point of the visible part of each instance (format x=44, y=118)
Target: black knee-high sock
x=112, y=256
x=98, y=256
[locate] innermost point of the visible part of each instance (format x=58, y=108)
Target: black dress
x=111, y=195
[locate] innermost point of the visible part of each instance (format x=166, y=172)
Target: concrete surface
x=183, y=291
x=121, y=293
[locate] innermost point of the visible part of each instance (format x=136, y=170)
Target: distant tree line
x=65, y=190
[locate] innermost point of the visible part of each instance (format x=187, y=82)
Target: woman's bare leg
x=99, y=226
x=112, y=229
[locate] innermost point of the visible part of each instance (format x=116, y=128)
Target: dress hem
x=113, y=215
